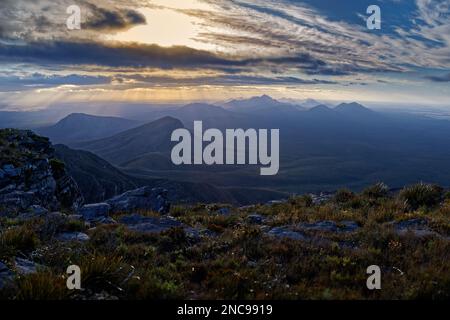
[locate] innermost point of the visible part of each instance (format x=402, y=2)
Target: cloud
x=142, y=55
x=46, y=19
x=109, y=19
x=37, y=80
x=443, y=78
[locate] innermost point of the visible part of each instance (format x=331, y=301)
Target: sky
x=189, y=50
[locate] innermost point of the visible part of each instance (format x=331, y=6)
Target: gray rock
x=11, y=171
x=417, y=227
x=33, y=212
x=286, y=232
x=75, y=217
x=224, y=211
x=24, y=266
x=255, y=219
x=18, y=200
x=104, y=220
x=6, y=276
x=276, y=201
x=33, y=180
x=143, y=224
x=145, y=198
x=331, y=226
x=94, y=211
x=73, y=236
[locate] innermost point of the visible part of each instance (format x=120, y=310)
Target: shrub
x=376, y=191
x=58, y=168
x=103, y=272
x=421, y=195
x=42, y=286
x=343, y=196
x=21, y=238
x=302, y=201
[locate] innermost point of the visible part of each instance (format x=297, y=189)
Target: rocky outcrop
x=145, y=198
x=144, y=224
x=94, y=211
x=6, y=276
x=31, y=176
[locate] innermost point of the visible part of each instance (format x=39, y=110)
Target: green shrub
x=421, y=195
x=41, y=286
x=58, y=168
x=343, y=196
x=376, y=191
x=16, y=239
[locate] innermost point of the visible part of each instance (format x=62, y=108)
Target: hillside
x=130, y=144
x=307, y=247
x=78, y=127
x=97, y=179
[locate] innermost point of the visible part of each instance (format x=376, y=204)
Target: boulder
x=330, y=226
x=6, y=276
x=73, y=236
x=143, y=224
x=255, y=219
x=34, y=211
x=36, y=177
x=286, y=232
x=94, y=211
x=145, y=198
x=11, y=171
x=417, y=227
x=25, y=267
x=223, y=211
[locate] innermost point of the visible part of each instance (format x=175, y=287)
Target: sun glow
x=183, y=30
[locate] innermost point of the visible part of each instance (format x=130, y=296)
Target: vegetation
x=238, y=259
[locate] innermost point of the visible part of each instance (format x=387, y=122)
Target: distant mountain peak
x=77, y=127
x=264, y=99
x=352, y=107
x=321, y=108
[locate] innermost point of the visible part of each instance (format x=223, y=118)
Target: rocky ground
x=140, y=246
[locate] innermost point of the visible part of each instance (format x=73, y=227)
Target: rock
x=286, y=232
x=143, y=224
x=104, y=220
x=255, y=219
x=36, y=177
x=276, y=201
x=68, y=192
x=418, y=227
x=322, y=197
x=18, y=200
x=224, y=211
x=24, y=266
x=94, y=211
x=73, y=236
x=331, y=226
x=6, y=276
x=11, y=171
x=75, y=217
x=34, y=211
x=145, y=198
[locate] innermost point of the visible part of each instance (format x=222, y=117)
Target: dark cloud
x=225, y=80
x=12, y=83
x=76, y=53
x=109, y=19
x=141, y=55
x=443, y=78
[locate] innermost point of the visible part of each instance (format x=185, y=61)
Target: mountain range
x=322, y=148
